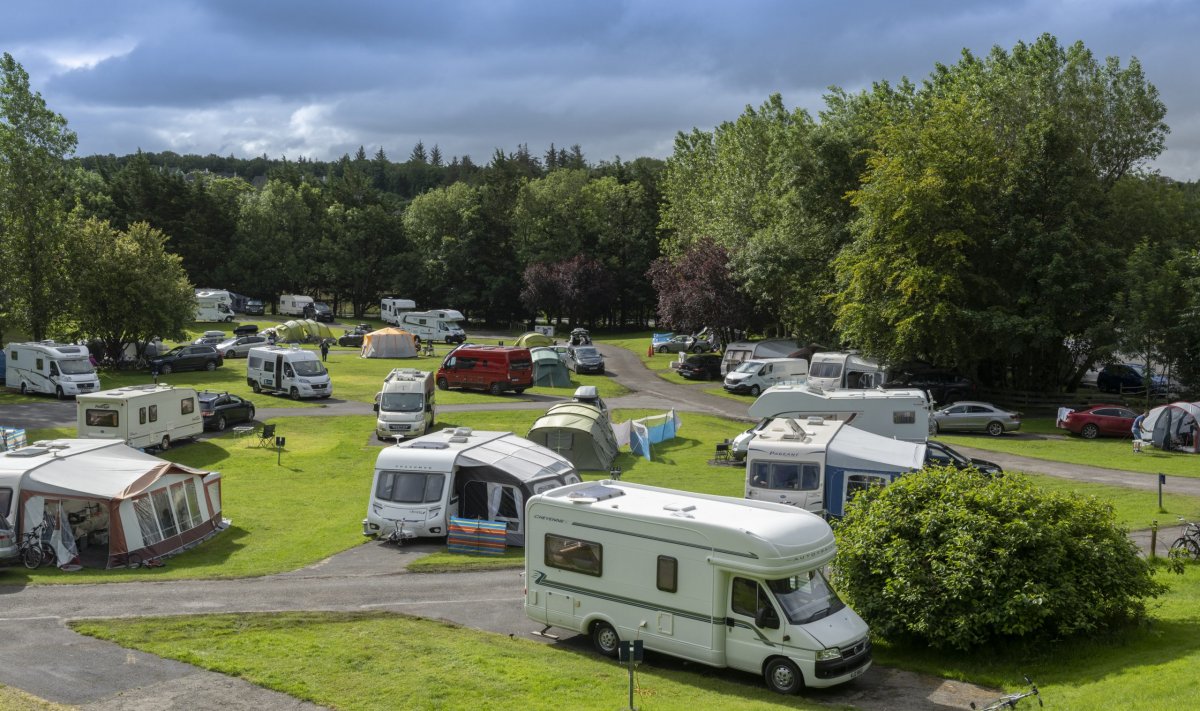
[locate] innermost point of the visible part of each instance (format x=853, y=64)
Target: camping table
x=243, y=430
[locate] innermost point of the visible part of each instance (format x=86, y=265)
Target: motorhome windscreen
x=410, y=487
x=806, y=597
x=787, y=476
x=825, y=370
x=309, y=368
x=76, y=367
x=401, y=402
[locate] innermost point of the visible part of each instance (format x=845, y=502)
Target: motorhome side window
x=187, y=406
x=154, y=413
x=668, y=574
x=38, y=364
x=410, y=487
x=904, y=417
x=102, y=418
x=141, y=415
x=574, y=555
x=788, y=476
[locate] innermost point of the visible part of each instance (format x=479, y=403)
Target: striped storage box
x=476, y=537
x=11, y=438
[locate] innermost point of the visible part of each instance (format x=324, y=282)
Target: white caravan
x=420, y=483
x=295, y=305
x=739, y=351
x=716, y=580
x=212, y=309
x=47, y=367
x=287, y=369
x=140, y=415
x=818, y=464
x=901, y=414
x=834, y=370
x=754, y=376
x=405, y=404
x=439, y=325
x=391, y=308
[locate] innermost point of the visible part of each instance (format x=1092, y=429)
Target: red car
x=1100, y=421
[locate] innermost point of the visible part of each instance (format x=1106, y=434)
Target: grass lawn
x=388, y=661
x=16, y=700
x=1135, y=509
x=1110, y=453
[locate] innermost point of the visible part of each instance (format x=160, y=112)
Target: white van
x=390, y=309
x=754, y=376
x=439, y=325
x=739, y=351
x=53, y=368
x=404, y=406
x=141, y=415
x=295, y=305
x=834, y=370
x=291, y=370
x=212, y=309
x=720, y=581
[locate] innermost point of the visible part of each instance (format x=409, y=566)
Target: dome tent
x=548, y=369
x=389, y=343
x=532, y=339
x=1174, y=427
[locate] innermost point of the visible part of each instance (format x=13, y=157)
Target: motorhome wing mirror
x=766, y=619
x=428, y=407
x=375, y=407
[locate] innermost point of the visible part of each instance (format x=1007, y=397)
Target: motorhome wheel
x=58, y=393
x=783, y=677
x=255, y=386
x=294, y=393
x=165, y=444
x=22, y=388
x=605, y=639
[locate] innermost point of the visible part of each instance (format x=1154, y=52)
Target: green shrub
x=957, y=559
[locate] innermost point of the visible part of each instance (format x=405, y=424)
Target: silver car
x=239, y=347
x=968, y=416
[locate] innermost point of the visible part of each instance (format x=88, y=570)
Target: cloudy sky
x=319, y=78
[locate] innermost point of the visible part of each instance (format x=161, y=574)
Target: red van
x=491, y=368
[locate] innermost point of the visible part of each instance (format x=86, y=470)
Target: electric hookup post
x=1162, y=479
x=631, y=653
x=279, y=442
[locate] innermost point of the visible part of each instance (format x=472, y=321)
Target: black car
x=254, y=307
x=941, y=454
x=701, y=367
x=354, y=339
x=944, y=386
x=1129, y=379
x=322, y=312
x=190, y=357
x=221, y=410
x=585, y=359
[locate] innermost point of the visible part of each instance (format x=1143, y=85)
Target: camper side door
x=795, y=482
x=754, y=627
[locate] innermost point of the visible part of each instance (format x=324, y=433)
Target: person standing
x=1137, y=432
x=324, y=349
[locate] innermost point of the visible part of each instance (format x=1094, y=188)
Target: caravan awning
x=514, y=455
x=857, y=449
x=114, y=472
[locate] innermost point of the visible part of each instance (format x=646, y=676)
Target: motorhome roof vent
x=794, y=430
x=680, y=509
x=428, y=444
x=815, y=420
x=28, y=452
x=592, y=494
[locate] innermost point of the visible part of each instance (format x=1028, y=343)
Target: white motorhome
x=900, y=414
x=405, y=404
x=720, y=581
x=818, y=464
x=141, y=415
x=756, y=375
x=223, y=295
x=390, y=309
x=287, y=369
x=739, y=351
x=58, y=369
x=439, y=325
x=295, y=305
x=420, y=483
x=833, y=370
x=212, y=309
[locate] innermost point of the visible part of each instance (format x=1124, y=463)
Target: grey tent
x=548, y=369
x=579, y=431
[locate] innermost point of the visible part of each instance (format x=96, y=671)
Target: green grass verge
x=447, y=562
x=16, y=700
x=1109, y=453
x=1135, y=509
x=362, y=661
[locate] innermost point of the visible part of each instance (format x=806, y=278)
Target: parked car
x=939, y=453
x=944, y=386
x=585, y=359
x=354, y=338
x=254, y=307
x=970, y=416
x=190, y=357
x=706, y=366
x=239, y=347
x=580, y=337
x=222, y=409
x=1100, y=421
x=1128, y=378
x=677, y=344
x=211, y=338
x=321, y=311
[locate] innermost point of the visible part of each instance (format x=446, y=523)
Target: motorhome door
x=746, y=642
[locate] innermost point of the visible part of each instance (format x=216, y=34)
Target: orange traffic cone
x=650, y=351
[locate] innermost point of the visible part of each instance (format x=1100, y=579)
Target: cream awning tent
x=578, y=431
x=389, y=343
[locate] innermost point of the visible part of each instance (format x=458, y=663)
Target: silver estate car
x=969, y=416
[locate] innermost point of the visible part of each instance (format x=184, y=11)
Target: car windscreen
x=177, y=350
x=401, y=402
x=586, y=353
x=806, y=597
x=75, y=367
x=825, y=370
x=750, y=366
x=309, y=368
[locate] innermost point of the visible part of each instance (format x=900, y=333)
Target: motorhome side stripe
x=541, y=579
x=668, y=540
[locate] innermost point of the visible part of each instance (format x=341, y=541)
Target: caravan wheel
x=165, y=444
x=605, y=639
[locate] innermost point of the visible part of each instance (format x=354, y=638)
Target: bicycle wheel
x=31, y=556
x=49, y=555
x=1185, y=547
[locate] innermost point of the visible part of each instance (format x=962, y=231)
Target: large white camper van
x=420, y=483
x=295, y=305
x=438, y=325
x=390, y=309
x=47, y=367
x=287, y=369
x=720, y=581
x=212, y=309
x=140, y=415
x=739, y=351
x=900, y=414
x=404, y=405
x=834, y=370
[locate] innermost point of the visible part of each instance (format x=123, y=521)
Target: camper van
x=295, y=305
x=899, y=414
x=739, y=351
x=291, y=370
x=440, y=325
x=53, y=368
x=141, y=415
x=211, y=309
x=420, y=483
x=405, y=404
x=818, y=464
x=720, y=581
x=754, y=376
x=834, y=370
x=391, y=308
x=491, y=368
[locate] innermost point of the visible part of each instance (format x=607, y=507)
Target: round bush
x=956, y=559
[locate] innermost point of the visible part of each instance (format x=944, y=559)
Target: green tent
x=548, y=369
x=533, y=339
x=317, y=331
x=578, y=431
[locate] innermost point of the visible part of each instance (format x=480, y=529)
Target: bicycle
x=1010, y=701
x=35, y=552
x=1187, y=545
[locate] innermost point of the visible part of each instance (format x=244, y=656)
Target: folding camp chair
x=266, y=438
x=722, y=453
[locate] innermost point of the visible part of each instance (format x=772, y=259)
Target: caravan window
x=410, y=487
x=154, y=413
x=147, y=521
x=101, y=418
x=667, y=577
x=786, y=476
x=904, y=417
x=162, y=507
x=141, y=415
x=574, y=555
x=186, y=406
x=39, y=364
x=825, y=370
